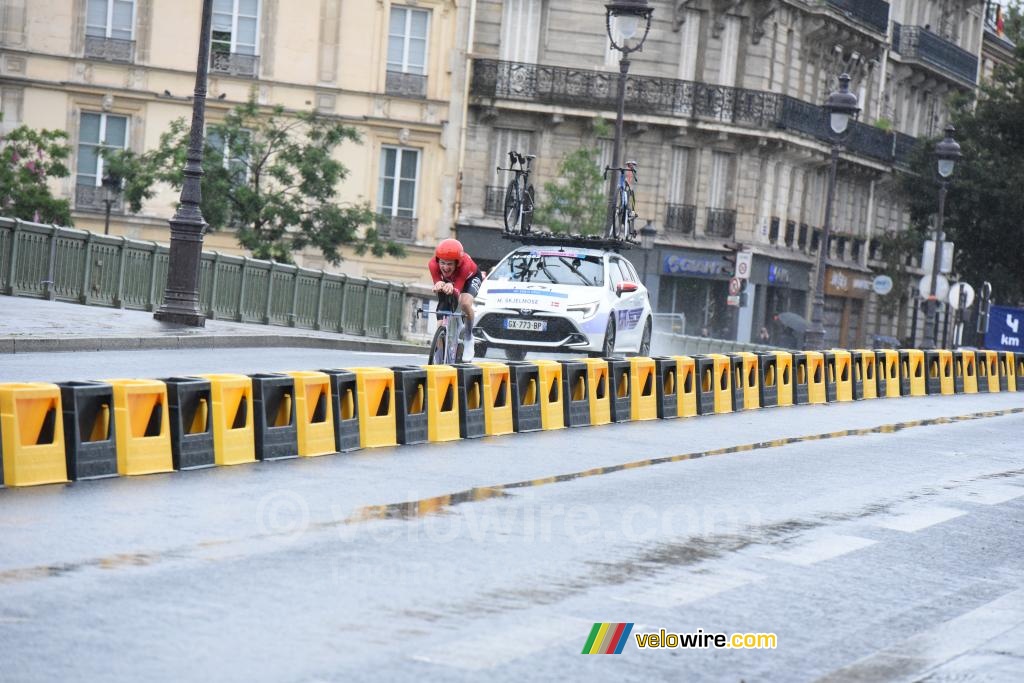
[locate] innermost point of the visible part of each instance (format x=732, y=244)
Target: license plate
x=528, y=325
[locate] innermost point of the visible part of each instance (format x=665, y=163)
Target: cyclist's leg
x=466, y=300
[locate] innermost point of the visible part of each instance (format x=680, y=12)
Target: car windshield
x=552, y=267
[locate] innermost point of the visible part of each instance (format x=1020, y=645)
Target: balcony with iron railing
x=653, y=95
x=721, y=223
x=396, y=228
x=494, y=200
x=873, y=13
x=917, y=43
x=401, y=84
x=234, y=64
x=110, y=49
x=680, y=219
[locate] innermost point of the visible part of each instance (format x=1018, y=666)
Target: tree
x=575, y=202
x=984, y=204
x=271, y=176
x=29, y=158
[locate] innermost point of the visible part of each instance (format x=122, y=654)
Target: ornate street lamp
x=841, y=107
x=181, y=296
x=111, y=191
x=628, y=22
x=947, y=153
x=647, y=235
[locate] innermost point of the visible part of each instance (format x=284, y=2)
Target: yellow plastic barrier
x=600, y=399
x=143, y=426
x=940, y=371
x=721, y=382
x=497, y=384
x=843, y=375
x=234, y=441
x=865, y=377
x=965, y=372
x=375, y=393
x=912, y=379
x=1007, y=371
x=816, y=377
x=888, y=373
x=552, y=406
x=988, y=369
x=314, y=419
x=442, y=403
x=686, y=372
x=643, y=379
x=784, y=377
x=748, y=380
x=32, y=434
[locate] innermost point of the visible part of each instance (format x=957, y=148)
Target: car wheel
x=608, y=347
x=515, y=354
x=645, y=340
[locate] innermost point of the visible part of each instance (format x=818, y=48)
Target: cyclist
x=456, y=275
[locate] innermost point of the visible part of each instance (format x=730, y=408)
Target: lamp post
x=947, y=153
x=181, y=296
x=111, y=190
x=647, y=235
x=622, y=20
x=841, y=107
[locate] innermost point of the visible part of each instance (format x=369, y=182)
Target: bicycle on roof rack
x=447, y=345
x=623, y=225
x=518, y=213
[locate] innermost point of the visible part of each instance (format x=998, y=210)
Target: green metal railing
x=46, y=261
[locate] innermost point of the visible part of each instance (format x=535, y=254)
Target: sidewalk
x=35, y=325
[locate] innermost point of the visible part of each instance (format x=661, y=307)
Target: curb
x=65, y=344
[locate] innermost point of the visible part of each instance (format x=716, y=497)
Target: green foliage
x=576, y=202
x=277, y=189
x=28, y=160
x=985, y=203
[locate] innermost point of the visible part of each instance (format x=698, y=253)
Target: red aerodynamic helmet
x=449, y=250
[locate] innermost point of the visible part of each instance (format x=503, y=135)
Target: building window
x=95, y=133
x=235, y=157
x=12, y=22
x=10, y=109
x=396, y=201
x=520, y=30
x=110, y=29
x=407, y=52
x=233, y=37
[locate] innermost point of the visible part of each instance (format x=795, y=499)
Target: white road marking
x=989, y=493
x=818, y=548
x=486, y=651
x=915, y=519
x=692, y=587
x=915, y=656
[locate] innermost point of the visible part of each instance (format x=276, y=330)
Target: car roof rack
x=570, y=240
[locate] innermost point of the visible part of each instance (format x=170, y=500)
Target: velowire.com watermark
x=611, y=638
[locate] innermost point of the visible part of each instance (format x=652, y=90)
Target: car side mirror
x=626, y=287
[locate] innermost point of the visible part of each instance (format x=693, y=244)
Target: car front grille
x=494, y=325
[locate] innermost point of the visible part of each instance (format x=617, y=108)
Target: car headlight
x=588, y=310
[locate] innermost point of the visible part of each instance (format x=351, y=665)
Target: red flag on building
x=999, y=19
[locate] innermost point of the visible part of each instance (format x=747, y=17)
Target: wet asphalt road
x=892, y=553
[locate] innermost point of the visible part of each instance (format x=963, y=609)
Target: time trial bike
x=519, y=195
x=447, y=345
x=623, y=225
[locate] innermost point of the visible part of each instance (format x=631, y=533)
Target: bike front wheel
x=512, y=207
x=438, y=347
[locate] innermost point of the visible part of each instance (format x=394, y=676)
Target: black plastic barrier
x=768, y=379
x=345, y=406
x=705, y=370
x=191, y=413
x=801, y=379
x=575, y=393
x=275, y=431
x=411, y=404
x=933, y=372
x=472, y=423
x=858, y=369
x=1019, y=373
x=90, y=443
x=526, y=416
x=667, y=388
x=736, y=373
x=619, y=384
x=831, y=375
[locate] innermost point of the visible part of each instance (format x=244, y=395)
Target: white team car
x=563, y=299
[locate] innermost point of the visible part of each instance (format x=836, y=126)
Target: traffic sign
x=744, y=260
x=954, y=295
x=735, y=285
x=881, y=285
x=732, y=300
x=941, y=287
x=945, y=260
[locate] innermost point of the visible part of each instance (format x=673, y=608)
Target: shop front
x=695, y=284
x=846, y=292
x=778, y=287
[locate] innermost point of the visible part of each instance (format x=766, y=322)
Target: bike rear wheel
x=527, y=210
x=512, y=207
x=629, y=215
x=438, y=347
x=617, y=229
